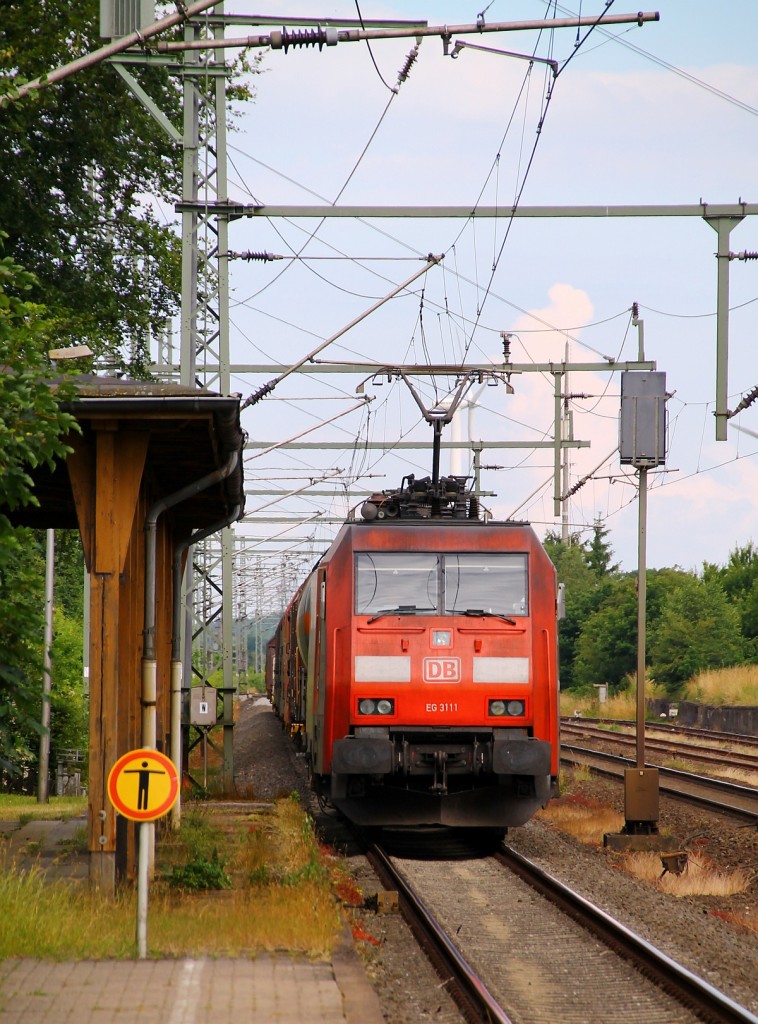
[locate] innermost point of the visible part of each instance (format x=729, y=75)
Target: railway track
x=463, y=984
x=512, y=945
x=668, y=727
x=732, y=751
x=716, y=794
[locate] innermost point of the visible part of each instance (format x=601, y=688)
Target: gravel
x=703, y=933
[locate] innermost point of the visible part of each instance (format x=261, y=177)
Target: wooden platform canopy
x=153, y=465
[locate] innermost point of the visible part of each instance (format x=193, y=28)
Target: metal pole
x=558, y=379
x=190, y=151
x=227, y=631
x=723, y=227
x=47, y=679
x=146, y=830
x=279, y=40
x=641, y=615
x=477, y=468
x=566, y=435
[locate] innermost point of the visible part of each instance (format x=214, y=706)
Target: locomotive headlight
x=383, y=706
x=440, y=638
x=512, y=708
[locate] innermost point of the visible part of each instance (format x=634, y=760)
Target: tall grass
x=55, y=920
x=700, y=877
x=17, y=807
x=287, y=906
x=585, y=820
x=734, y=686
x=621, y=706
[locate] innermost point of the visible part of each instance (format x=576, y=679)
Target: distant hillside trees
x=697, y=628
x=739, y=579
x=694, y=622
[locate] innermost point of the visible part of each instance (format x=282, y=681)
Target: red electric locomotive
x=418, y=664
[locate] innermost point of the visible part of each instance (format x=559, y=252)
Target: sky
x=666, y=113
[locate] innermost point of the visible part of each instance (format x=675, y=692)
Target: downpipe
x=149, y=688
x=149, y=694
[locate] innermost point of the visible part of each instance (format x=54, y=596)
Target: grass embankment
x=730, y=686
x=733, y=687
x=226, y=884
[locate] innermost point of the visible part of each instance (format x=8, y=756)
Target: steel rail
x=685, y=777
x=693, y=992
x=672, y=726
x=462, y=983
x=671, y=745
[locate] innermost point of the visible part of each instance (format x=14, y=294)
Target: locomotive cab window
x=449, y=583
x=492, y=582
x=396, y=582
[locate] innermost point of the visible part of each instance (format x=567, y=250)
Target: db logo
x=442, y=670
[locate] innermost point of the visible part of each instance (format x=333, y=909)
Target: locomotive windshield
x=397, y=581
x=494, y=582
x=448, y=583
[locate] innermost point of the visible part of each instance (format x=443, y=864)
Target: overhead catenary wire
x=267, y=388
x=692, y=79
x=566, y=331
x=402, y=77
x=520, y=191
x=302, y=433
x=429, y=303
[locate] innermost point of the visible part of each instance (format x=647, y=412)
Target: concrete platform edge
x=360, y=1001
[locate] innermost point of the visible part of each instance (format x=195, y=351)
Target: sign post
x=143, y=785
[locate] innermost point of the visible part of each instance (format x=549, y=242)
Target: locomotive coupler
x=440, y=772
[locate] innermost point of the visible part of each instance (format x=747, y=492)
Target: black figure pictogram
x=144, y=782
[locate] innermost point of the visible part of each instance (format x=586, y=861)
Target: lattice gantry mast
x=204, y=334
x=205, y=337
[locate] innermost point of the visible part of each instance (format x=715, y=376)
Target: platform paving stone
x=266, y=990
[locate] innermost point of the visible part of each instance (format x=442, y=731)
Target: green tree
x=606, y=648
x=69, y=708
x=698, y=628
x=69, y=574
x=21, y=633
x=586, y=574
x=600, y=552
x=32, y=422
x=739, y=578
x=579, y=586
x=32, y=426
x=77, y=160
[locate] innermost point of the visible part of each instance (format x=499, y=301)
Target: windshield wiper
x=493, y=615
x=403, y=609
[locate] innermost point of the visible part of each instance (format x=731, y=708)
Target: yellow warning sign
x=143, y=784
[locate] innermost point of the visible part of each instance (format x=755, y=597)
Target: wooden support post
x=106, y=477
